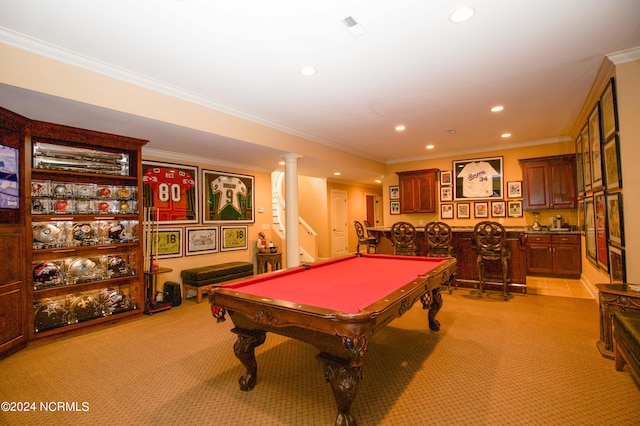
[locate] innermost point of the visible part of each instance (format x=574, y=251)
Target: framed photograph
x=618, y=267
x=168, y=242
x=481, y=209
x=446, y=193
x=601, y=230
x=498, y=209
x=227, y=197
x=609, y=106
x=581, y=216
x=612, y=171
x=233, y=238
x=394, y=192
x=394, y=207
x=478, y=179
x=615, y=223
x=171, y=190
x=594, y=140
x=464, y=210
x=514, y=189
x=586, y=157
x=446, y=211
x=514, y=208
x=590, y=228
x=445, y=178
x=579, y=172
x=201, y=241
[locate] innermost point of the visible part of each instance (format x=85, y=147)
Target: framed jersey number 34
x=171, y=190
x=478, y=179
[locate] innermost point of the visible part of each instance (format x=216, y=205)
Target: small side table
x=269, y=259
x=613, y=298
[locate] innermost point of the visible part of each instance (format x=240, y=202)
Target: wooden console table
x=269, y=259
x=613, y=298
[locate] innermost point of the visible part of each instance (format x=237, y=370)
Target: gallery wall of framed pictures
x=214, y=206
x=600, y=192
x=475, y=188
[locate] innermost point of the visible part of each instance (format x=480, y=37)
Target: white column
x=292, y=230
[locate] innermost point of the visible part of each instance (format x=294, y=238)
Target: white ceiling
x=412, y=66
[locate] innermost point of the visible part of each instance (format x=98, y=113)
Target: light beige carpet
x=529, y=361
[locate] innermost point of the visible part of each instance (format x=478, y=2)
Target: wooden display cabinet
x=85, y=186
x=417, y=191
x=549, y=182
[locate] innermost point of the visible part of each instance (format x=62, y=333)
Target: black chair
x=365, y=239
x=403, y=236
x=438, y=237
x=491, y=245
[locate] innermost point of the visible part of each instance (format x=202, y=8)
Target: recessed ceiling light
x=462, y=14
x=308, y=71
x=497, y=108
x=400, y=127
x=378, y=181
x=430, y=146
x=450, y=131
x=336, y=173
x=506, y=135
x=281, y=163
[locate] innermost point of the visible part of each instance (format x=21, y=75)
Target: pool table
x=335, y=305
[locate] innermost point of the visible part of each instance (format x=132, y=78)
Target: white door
x=339, y=230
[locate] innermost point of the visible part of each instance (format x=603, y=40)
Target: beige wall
x=628, y=89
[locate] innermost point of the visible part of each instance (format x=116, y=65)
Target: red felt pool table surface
x=348, y=284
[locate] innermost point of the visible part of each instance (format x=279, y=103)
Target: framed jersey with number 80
x=170, y=191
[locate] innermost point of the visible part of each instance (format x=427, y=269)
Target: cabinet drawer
x=531, y=238
x=566, y=239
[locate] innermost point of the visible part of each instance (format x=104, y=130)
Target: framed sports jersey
x=478, y=179
x=227, y=197
x=171, y=190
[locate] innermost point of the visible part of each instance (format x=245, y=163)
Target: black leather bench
x=626, y=337
x=203, y=278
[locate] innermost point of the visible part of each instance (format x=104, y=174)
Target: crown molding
x=200, y=160
x=624, y=56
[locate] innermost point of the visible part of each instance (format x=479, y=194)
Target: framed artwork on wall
x=498, y=209
x=445, y=178
x=201, y=240
x=446, y=211
x=579, y=165
x=609, y=106
x=612, y=170
x=581, y=216
x=227, y=197
x=170, y=190
x=481, y=209
x=615, y=221
x=617, y=262
x=594, y=139
x=233, y=238
x=586, y=157
x=514, y=189
x=446, y=193
x=168, y=242
x=514, y=208
x=394, y=207
x=464, y=210
x=394, y=192
x=601, y=231
x=590, y=228
x=478, y=179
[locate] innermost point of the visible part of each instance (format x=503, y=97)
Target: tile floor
x=557, y=287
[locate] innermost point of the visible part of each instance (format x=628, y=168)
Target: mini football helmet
x=46, y=273
x=83, y=231
x=46, y=233
x=49, y=314
x=81, y=267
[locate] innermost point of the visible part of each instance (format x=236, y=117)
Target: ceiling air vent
x=352, y=25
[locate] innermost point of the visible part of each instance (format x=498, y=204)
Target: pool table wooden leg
x=432, y=302
x=244, y=349
x=344, y=380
